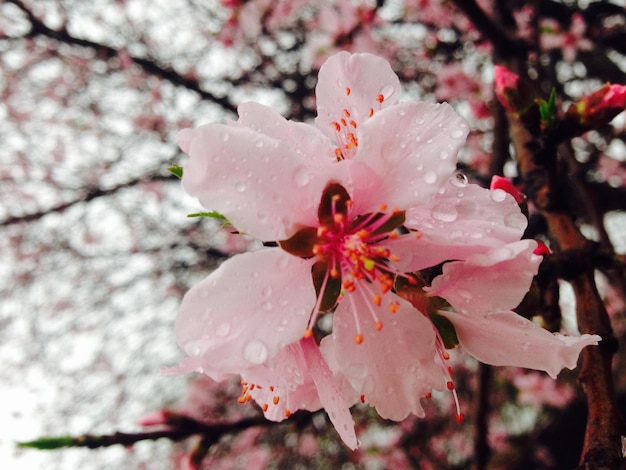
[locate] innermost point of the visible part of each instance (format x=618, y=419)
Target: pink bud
x=499, y=182
x=602, y=105
x=506, y=83
x=541, y=249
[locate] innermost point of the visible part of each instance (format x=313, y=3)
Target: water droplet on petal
x=515, y=220
x=241, y=186
x=225, y=136
x=419, y=121
x=459, y=180
x=430, y=177
x=266, y=291
x=444, y=212
x=301, y=176
x=356, y=371
x=255, y=352
x=223, y=329
x=259, y=144
x=267, y=306
x=498, y=195
x=283, y=262
x=457, y=134
x=465, y=295
x=444, y=154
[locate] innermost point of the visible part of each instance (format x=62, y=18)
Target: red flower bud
x=499, y=182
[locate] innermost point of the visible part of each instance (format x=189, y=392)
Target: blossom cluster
x=368, y=227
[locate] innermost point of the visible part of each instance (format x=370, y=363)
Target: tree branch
x=38, y=28
x=546, y=188
x=87, y=195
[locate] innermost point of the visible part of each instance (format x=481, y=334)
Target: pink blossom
x=354, y=204
x=570, y=42
x=505, y=83
x=601, y=106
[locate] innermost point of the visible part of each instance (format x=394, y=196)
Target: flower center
x=351, y=256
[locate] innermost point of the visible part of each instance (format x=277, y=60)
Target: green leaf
x=49, y=443
x=333, y=286
x=211, y=214
x=445, y=329
x=176, y=170
x=547, y=110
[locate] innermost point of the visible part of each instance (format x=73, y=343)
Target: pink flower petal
x=412, y=146
x=259, y=183
x=394, y=367
x=299, y=378
x=496, y=280
x=283, y=384
x=246, y=311
x=353, y=82
x=306, y=141
x=330, y=393
x=463, y=220
x=507, y=339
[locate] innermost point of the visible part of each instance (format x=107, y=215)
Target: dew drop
x=444, y=212
x=457, y=134
x=259, y=144
x=515, y=220
x=301, y=176
x=223, y=329
x=459, y=180
x=525, y=345
x=267, y=306
x=254, y=274
x=283, y=261
x=444, y=155
x=501, y=254
x=255, y=352
x=225, y=136
x=465, y=295
x=498, y=195
x=419, y=121
x=300, y=312
x=241, y=186
x=430, y=177
x=356, y=371
x=266, y=291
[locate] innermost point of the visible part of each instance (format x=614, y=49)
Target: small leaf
x=445, y=329
x=49, y=443
x=333, y=286
x=211, y=214
x=335, y=200
x=176, y=170
x=301, y=243
x=547, y=110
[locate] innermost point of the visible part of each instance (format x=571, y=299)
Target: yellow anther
x=358, y=339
